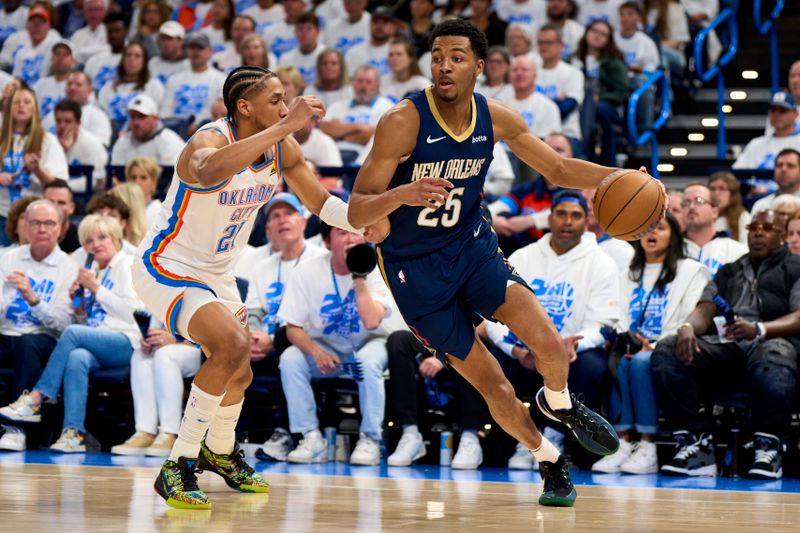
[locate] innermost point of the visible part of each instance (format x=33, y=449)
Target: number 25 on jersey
x=450, y=216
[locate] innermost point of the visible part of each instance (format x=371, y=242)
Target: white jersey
x=205, y=229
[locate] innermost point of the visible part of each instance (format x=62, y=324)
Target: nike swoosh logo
x=437, y=139
x=475, y=233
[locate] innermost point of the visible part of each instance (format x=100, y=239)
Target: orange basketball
x=629, y=203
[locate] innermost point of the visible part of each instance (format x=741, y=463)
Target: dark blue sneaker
x=592, y=430
x=768, y=463
x=558, y=490
x=695, y=457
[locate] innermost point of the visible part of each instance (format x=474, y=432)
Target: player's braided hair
x=240, y=83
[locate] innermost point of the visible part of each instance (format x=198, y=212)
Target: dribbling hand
x=426, y=192
x=301, y=110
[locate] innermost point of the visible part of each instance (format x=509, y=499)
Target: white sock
x=411, y=428
x=558, y=399
x=197, y=417
x=222, y=431
x=546, y=452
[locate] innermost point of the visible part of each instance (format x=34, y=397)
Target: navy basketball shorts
x=444, y=295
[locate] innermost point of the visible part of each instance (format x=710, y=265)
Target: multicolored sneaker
x=233, y=469
x=22, y=410
x=177, y=484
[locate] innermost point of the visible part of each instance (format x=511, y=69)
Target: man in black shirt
x=58, y=192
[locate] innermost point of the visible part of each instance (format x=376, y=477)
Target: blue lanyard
x=341, y=303
x=644, y=303
x=280, y=264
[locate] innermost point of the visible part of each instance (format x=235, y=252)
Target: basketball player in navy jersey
x=441, y=260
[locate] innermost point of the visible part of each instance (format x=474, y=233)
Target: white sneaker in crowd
x=70, y=441
x=469, y=455
x=278, y=445
x=610, y=463
x=22, y=410
x=523, y=459
x=410, y=448
x=367, y=452
x=312, y=449
x=643, y=460
x=12, y=439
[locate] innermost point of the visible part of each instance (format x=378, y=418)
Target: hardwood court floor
x=68, y=498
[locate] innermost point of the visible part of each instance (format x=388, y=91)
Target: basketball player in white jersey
x=225, y=173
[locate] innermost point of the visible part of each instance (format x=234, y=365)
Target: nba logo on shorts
x=402, y=276
x=241, y=316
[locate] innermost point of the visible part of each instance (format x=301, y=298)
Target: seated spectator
x=265, y=13
x=12, y=18
x=657, y=292
x=317, y=146
x=102, y=337
x=331, y=84
x=421, y=24
x=541, y=115
x=618, y=250
x=485, y=19
x=145, y=171
x=562, y=83
x=106, y=204
x=668, y=20
x=640, y=54
x=785, y=205
x=607, y=10
x=527, y=13
x=351, y=28
x=500, y=175
x=758, y=349
x=352, y=123
x=675, y=197
x=133, y=78
x=90, y=40
x=133, y=197
x=230, y=58
x=189, y=95
x=35, y=301
x=292, y=81
x=333, y=317
x=309, y=47
x=16, y=227
x=80, y=146
x=494, y=82
x=786, y=175
x=405, y=76
x=102, y=68
x=561, y=13
x=375, y=51
x=158, y=367
x=578, y=286
x=607, y=91
x=59, y=193
x=171, y=57
x=703, y=243
x=792, y=233
x=148, y=17
x=794, y=88
x=51, y=90
x=733, y=217
x=255, y=53
x=146, y=135
x=32, y=157
x=519, y=41
x=93, y=119
x=269, y=281
x=31, y=61
x=219, y=25
x=280, y=35
x=761, y=152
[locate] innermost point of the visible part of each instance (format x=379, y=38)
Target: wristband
x=334, y=213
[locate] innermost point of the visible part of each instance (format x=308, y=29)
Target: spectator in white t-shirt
x=32, y=61
x=219, y=30
x=172, y=58
x=351, y=28
x=608, y=10
x=539, y=112
x=280, y=36
x=786, y=176
x=641, y=55
x=762, y=151
x=133, y=78
x=91, y=39
x=146, y=135
x=94, y=119
x=81, y=146
x=318, y=147
x=231, y=56
x=525, y=12
x=12, y=18
x=102, y=67
x=51, y=89
x=405, y=76
x=670, y=22
x=265, y=13
x=560, y=13
x=494, y=81
x=352, y=123
x=560, y=82
x=190, y=93
x=332, y=83
x=304, y=57
x=375, y=51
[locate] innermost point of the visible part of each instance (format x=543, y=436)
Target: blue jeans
x=4, y=238
x=635, y=404
x=80, y=351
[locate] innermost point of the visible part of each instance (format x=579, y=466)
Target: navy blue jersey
x=439, y=153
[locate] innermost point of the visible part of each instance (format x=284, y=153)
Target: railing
x=727, y=17
x=639, y=139
x=767, y=27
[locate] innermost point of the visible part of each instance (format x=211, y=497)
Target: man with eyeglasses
x=787, y=177
x=761, y=152
x=703, y=243
x=755, y=348
x=34, y=303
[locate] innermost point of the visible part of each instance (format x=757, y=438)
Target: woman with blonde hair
x=133, y=197
x=32, y=157
x=254, y=51
x=332, y=82
x=293, y=82
x=793, y=232
x=144, y=171
x=733, y=217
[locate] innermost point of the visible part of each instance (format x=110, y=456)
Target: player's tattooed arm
x=509, y=126
x=395, y=138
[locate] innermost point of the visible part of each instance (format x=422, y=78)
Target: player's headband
x=570, y=196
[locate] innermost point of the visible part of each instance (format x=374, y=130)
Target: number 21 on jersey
x=450, y=216
x=227, y=242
